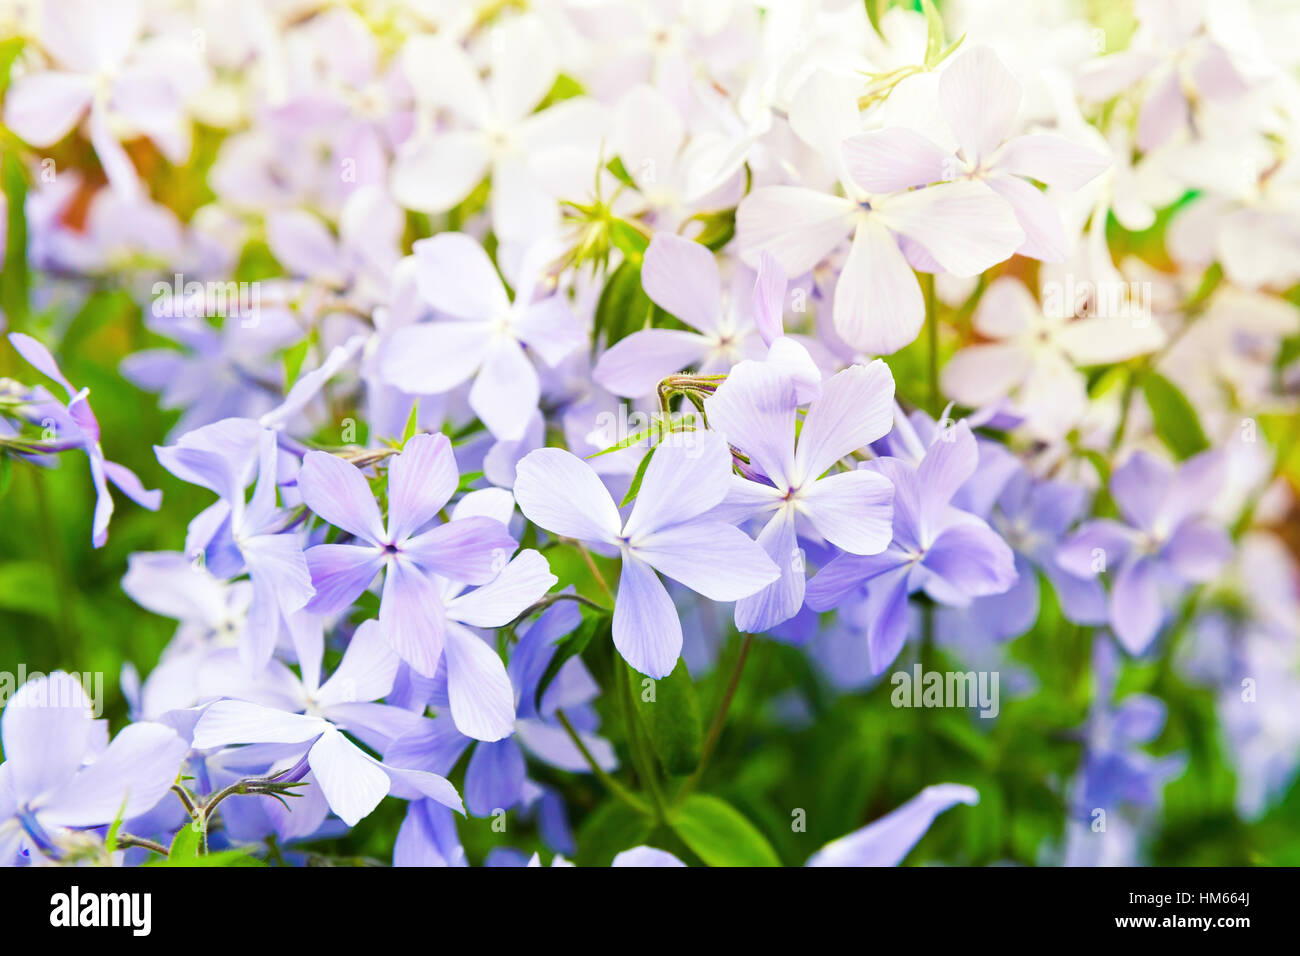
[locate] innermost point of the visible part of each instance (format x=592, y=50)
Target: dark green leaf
x=1176, y=422
x=671, y=717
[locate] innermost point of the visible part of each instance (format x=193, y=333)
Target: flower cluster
x=533, y=366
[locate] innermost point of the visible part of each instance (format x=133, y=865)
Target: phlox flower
x=484, y=335
x=235, y=535
x=668, y=531
x=950, y=554
x=1165, y=542
x=81, y=430
x=60, y=771
x=789, y=484
x=962, y=227
x=412, y=555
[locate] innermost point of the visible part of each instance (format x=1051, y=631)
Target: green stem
x=719, y=719
x=612, y=785
x=642, y=759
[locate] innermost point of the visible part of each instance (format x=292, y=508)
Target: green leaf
x=222, y=858
x=293, y=359
x=629, y=240
x=635, y=487
x=608, y=830
x=186, y=844
x=623, y=306
x=1176, y=422
x=719, y=228
x=933, y=33
x=719, y=835
x=27, y=586
x=572, y=645
x=671, y=717
x=412, y=422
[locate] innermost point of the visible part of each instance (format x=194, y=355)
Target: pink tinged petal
x=337, y=491
x=980, y=98
x=47, y=728
x=365, y=673
x=1164, y=112
x=714, y=559
x=1045, y=237
x=126, y=480
x=420, y=481
x=755, y=410
x=856, y=407
x=1006, y=309
x=562, y=494
x=127, y=779
x=1135, y=609
x=469, y=550
x=646, y=629
x=352, y=782
x=42, y=108
x=301, y=243
x=340, y=573
x=520, y=584
x=412, y=617
x=769, y=298
x=478, y=688
x=434, y=173
x=550, y=329
x=1052, y=159
x=1198, y=552
x=523, y=66
x=647, y=135
x=506, y=391
x=113, y=158
x=456, y=276
x=887, y=841
x=688, y=474
x=434, y=357
x=1098, y=546
x=634, y=366
x=894, y=159
x=780, y=600
x=878, y=306
x=1110, y=75
x=228, y=722
x=966, y=226
x=39, y=357
x=681, y=277
x=852, y=510
x=979, y=374
x=798, y=226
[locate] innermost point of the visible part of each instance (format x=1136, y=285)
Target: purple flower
x=316, y=713
x=755, y=408
x=1167, y=543
x=421, y=480
x=887, y=841
x=236, y=535
x=667, y=531
x=486, y=337
x=60, y=771
x=79, y=421
x=681, y=276
x=950, y=554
